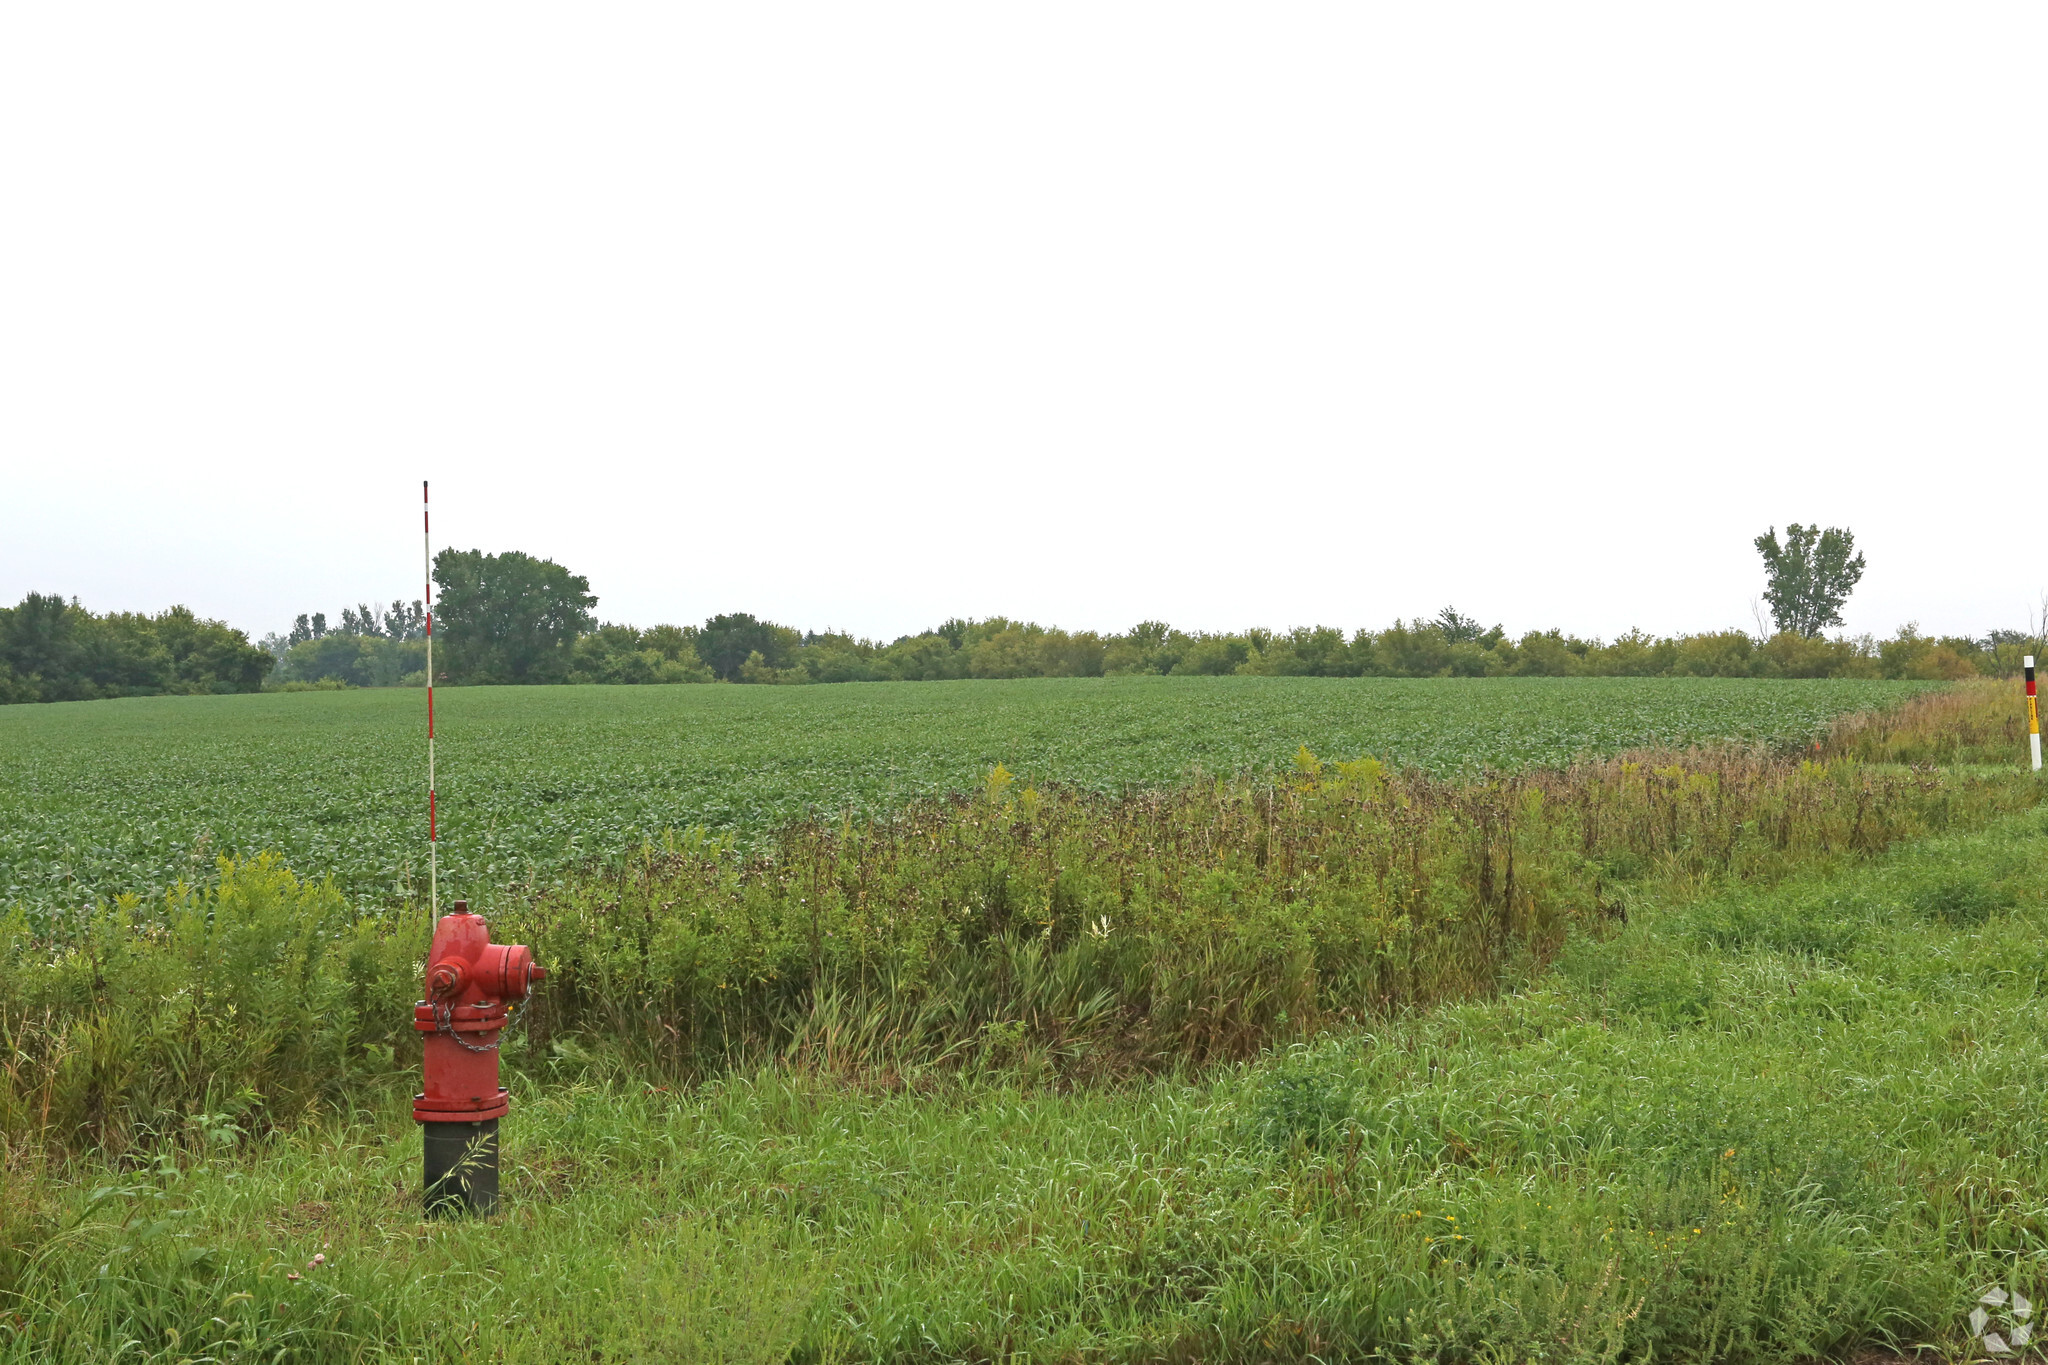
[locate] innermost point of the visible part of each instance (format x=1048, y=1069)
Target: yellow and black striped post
x=2033, y=716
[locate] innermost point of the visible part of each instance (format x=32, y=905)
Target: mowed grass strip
x=1759, y=1124
x=100, y=798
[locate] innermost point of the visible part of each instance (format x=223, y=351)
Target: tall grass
x=1973, y=722
x=1083, y=935
x=235, y=1007
x=1043, y=935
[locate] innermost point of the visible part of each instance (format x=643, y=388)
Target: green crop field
x=98, y=798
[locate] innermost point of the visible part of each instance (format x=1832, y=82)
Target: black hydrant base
x=461, y=1167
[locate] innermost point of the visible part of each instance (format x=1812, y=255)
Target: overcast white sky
x=870, y=315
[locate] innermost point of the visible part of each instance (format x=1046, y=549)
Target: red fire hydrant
x=471, y=985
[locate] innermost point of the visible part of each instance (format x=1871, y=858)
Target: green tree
x=1009, y=654
x=1457, y=628
x=834, y=656
x=39, y=642
x=726, y=641
x=1214, y=654
x=918, y=658
x=508, y=618
x=1810, y=576
x=621, y=654
x=205, y=656
x=402, y=622
x=358, y=660
x=53, y=650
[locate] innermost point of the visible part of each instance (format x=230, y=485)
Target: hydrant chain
x=444, y=1022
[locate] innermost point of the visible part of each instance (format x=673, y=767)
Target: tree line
x=741, y=648
x=54, y=650
x=514, y=618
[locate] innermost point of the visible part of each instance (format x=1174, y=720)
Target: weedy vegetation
x=1971, y=723
x=1062, y=935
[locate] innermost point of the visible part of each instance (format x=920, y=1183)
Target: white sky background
x=873, y=315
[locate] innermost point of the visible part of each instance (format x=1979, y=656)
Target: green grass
x=1755, y=1124
x=98, y=798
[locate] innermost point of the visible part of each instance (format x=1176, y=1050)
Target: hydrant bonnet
x=471, y=983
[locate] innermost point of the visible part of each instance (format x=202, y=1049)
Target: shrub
x=255, y=998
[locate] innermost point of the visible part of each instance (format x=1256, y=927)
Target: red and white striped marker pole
x=427, y=572
x=2033, y=716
